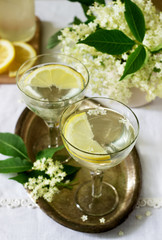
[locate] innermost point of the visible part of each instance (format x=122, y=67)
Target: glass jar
x=17, y=20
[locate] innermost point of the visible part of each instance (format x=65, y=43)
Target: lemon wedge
x=78, y=132
x=7, y=54
x=60, y=76
x=23, y=52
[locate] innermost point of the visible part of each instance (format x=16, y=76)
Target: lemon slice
x=7, y=54
x=23, y=52
x=61, y=76
x=78, y=132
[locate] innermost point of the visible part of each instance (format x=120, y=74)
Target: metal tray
x=126, y=177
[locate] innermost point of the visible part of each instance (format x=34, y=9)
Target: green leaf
x=69, y=169
x=53, y=40
x=36, y=174
x=134, y=61
x=76, y=21
x=135, y=20
x=21, y=178
x=113, y=42
x=156, y=70
x=85, y=5
x=85, y=9
x=15, y=165
x=88, y=2
x=100, y=1
x=24, y=177
x=157, y=49
x=49, y=152
x=12, y=145
x=90, y=19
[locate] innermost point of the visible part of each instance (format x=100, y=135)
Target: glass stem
x=97, y=178
x=53, y=129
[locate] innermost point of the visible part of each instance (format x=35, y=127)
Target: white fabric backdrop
x=31, y=223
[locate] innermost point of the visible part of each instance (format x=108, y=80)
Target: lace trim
x=14, y=203
x=27, y=202
x=149, y=202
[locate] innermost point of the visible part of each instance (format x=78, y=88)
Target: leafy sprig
x=19, y=162
x=85, y=4
x=120, y=43
x=115, y=42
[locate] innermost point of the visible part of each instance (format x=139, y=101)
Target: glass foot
x=100, y=206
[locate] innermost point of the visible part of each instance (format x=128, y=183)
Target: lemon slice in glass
x=60, y=76
x=23, y=52
x=7, y=54
x=78, y=132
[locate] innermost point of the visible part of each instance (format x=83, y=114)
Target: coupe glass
x=98, y=133
x=49, y=102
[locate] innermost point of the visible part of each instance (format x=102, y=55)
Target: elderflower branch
x=43, y=178
x=105, y=69
x=50, y=179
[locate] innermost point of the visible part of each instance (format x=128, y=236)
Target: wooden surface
x=35, y=42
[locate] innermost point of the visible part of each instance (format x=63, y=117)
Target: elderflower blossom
x=102, y=220
x=97, y=111
x=84, y=218
x=126, y=122
x=46, y=186
x=105, y=70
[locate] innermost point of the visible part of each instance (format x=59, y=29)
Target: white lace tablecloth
x=20, y=219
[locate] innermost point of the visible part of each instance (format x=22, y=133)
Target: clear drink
x=112, y=131
x=17, y=20
x=51, y=100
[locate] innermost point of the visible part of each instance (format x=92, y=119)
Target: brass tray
x=126, y=177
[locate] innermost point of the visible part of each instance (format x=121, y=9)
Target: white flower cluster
x=97, y=111
x=43, y=186
x=126, y=122
x=105, y=70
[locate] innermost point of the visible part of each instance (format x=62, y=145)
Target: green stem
x=150, y=76
x=139, y=43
